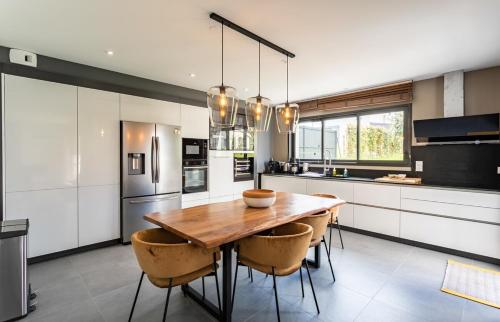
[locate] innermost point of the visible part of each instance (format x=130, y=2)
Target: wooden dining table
x=221, y=224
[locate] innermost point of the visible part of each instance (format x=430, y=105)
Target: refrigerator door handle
x=153, y=159
x=157, y=159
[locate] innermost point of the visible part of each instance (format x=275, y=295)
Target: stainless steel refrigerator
x=151, y=173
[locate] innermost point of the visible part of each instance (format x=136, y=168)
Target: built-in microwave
x=194, y=149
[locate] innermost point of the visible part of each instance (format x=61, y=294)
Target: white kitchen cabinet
x=374, y=194
x=240, y=186
x=40, y=134
x=194, y=203
x=486, y=214
x=195, y=199
x=52, y=218
x=221, y=199
x=286, y=184
x=98, y=214
x=472, y=237
x=453, y=196
x=346, y=215
x=98, y=137
x=343, y=190
x=220, y=174
x=379, y=220
x=194, y=122
x=140, y=109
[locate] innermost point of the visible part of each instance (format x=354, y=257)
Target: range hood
x=464, y=129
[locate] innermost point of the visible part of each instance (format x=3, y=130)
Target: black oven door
x=194, y=178
x=194, y=149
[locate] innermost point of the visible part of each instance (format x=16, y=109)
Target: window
x=308, y=140
x=374, y=136
x=381, y=136
x=339, y=138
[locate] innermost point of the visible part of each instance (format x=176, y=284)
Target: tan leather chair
x=334, y=212
x=279, y=252
x=169, y=261
x=319, y=223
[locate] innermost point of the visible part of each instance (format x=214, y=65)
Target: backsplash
x=460, y=165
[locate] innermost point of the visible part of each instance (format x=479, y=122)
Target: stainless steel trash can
x=14, y=284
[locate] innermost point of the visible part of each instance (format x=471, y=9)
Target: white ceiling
x=340, y=45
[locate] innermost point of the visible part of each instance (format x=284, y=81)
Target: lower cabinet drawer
x=378, y=220
x=194, y=203
x=346, y=215
x=467, y=236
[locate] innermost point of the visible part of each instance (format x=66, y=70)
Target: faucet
x=325, y=169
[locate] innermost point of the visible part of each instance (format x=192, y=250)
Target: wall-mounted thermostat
x=18, y=56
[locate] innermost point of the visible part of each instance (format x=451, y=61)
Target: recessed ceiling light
x=110, y=52
x=246, y=89
x=192, y=75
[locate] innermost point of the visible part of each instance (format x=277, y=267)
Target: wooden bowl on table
x=259, y=198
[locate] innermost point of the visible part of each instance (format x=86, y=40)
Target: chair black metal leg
x=203, y=286
x=217, y=282
x=251, y=274
x=168, y=298
x=329, y=259
x=135, y=298
x=330, y=240
x=312, y=286
x=235, y=279
x=276, y=295
x=301, y=281
x=341, y=241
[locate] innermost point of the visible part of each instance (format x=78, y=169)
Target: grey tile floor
x=377, y=280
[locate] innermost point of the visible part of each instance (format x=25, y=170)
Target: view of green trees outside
x=381, y=136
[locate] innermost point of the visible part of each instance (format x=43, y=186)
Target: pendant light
x=287, y=115
x=258, y=110
x=222, y=101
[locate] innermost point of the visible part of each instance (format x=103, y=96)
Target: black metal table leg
x=227, y=257
x=225, y=315
x=317, y=257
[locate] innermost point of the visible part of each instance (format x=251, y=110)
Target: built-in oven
x=243, y=166
x=194, y=176
x=194, y=165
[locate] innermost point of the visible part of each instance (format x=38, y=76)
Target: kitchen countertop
x=370, y=180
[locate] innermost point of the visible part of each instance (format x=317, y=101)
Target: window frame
x=406, y=109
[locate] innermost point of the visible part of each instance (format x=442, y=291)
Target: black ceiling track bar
x=250, y=34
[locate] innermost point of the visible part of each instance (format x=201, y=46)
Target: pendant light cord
x=222, y=60
x=287, y=78
x=259, y=69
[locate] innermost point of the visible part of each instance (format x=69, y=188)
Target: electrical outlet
x=419, y=166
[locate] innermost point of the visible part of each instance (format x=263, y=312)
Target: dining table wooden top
x=217, y=224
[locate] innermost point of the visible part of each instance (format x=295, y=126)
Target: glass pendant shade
x=222, y=102
x=258, y=112
x=287, y=117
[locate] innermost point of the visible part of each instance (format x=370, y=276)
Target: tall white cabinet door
x=220, y=174
x=140, y=109
x=40, y=134
x=98, y=214
x=52, y=217
x=98, y=137
x=195, y=122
